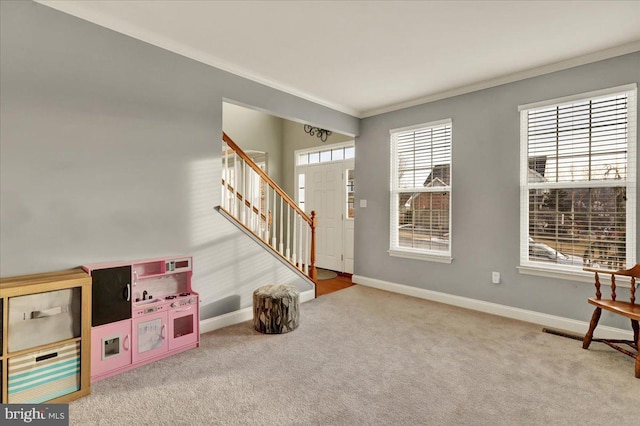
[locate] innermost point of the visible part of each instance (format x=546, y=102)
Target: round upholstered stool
x=275, y=309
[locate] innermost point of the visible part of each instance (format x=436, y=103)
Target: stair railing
x=261, y=206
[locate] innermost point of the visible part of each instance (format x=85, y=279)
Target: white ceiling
x=368, y=57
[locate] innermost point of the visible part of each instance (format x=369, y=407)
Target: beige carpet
x=366, y=357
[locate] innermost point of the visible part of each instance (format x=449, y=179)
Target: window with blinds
x=421, y=191
x=578, y=181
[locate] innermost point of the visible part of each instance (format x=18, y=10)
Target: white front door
x=324, y=192
x=324, y=184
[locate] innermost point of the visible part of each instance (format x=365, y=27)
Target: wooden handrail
x=266, y=177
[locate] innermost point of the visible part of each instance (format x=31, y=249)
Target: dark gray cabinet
x=111, y=290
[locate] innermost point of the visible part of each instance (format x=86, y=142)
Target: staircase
x=256, y=204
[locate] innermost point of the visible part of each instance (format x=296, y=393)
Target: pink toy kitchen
x=142, y=311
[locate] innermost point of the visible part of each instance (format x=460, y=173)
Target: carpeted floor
x=365, y=356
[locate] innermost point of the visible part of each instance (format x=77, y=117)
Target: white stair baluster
x=223, y=201
x=266, y=211
x=252, y=218
x=275, y=221
x=256, y=203
x=255, y=185
x=256, y=216
x=227, y=195
x=236, y=210
x=307, y=246
x=293, y=240
x=281, y=248
x=255, y=188
x=243, y=194
x=288, y=254
x=300, y=247
x=247, y=196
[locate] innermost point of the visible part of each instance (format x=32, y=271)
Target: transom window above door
x=326, y=155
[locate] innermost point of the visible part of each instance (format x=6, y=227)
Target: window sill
x=444, y=258
x=581, y=276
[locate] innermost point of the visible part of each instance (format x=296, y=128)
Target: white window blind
x=578, y=181
x=421, y=190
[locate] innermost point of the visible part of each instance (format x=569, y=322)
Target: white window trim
x=579, y=96
x=534, y=268
x=408, y=253
x=421, y=255
x=580, y=276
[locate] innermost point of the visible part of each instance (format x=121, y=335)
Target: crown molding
x=510, y=78
x=77, y=9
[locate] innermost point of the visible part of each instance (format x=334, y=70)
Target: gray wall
x=485, y=198
x=110, y=148
x=258, y=131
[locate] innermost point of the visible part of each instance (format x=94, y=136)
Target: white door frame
x=347, y=164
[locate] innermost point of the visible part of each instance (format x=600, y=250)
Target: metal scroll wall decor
x=316, y=131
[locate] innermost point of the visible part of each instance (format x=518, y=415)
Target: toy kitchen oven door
x=165, y=325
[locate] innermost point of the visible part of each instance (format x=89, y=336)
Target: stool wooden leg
x=636, y=338
x=592, y=326
x=638, y=359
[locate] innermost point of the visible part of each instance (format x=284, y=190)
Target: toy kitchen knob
x=192, y=300
x=174, y=305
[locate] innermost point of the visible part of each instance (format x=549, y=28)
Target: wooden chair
x=628, y=309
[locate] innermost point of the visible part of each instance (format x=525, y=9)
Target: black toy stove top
x=173, y=296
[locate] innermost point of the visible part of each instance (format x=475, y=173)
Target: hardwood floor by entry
x=340, y=282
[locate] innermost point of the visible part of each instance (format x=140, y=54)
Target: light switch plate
x=363, y=203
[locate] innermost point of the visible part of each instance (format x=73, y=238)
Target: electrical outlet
x=495, y=277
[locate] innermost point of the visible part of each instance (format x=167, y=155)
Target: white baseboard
x=546, y=320
x=241, y=315
x=305, y=296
